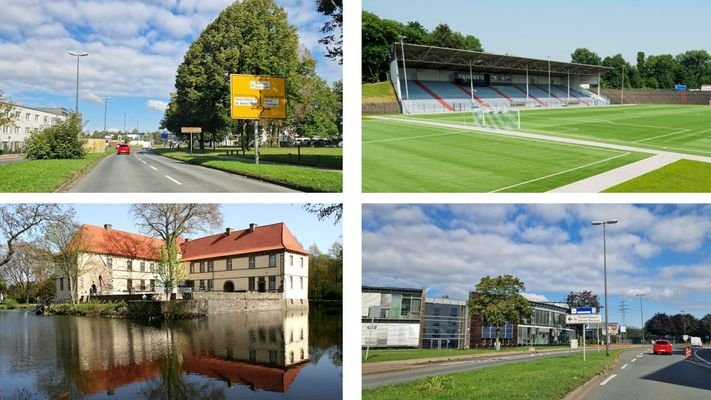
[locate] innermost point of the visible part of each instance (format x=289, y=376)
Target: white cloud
x=157, y=105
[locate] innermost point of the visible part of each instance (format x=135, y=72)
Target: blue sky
x=661, y=250
x=305, y=226
x=134, y=50
x=555, y=28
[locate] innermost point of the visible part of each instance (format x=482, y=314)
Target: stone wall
x=646, y=96
x=224, y=302
x=381, y=108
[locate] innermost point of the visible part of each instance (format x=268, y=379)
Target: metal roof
x=431, y=57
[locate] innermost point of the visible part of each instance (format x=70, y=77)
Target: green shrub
x=59, y=141
x=8, y=304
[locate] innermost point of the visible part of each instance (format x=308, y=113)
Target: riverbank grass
x=43, y=175
x=400, y=355
x=549, y=378
x=118, y=309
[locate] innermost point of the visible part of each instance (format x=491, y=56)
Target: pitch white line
x=560, y=173
x=153, y=168
x=173, y=180
x=661, y=136
x=625, y=366
x=416, y=137
x=609, y=378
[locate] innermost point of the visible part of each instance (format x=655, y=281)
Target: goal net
x=497, y=118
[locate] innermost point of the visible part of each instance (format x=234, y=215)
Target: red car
x=662, y=347
x=123, y=149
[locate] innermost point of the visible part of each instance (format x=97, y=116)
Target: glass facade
x=444, y=324
x=391, y=317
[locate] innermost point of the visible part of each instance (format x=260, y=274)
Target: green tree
x=323, y=211
x=59, y=141
x=169, y=221
x=498, y=301
x=585, y=56
x=326, y=273
x=333, y=29
x=378, y=35
x=169, y=269
x=443, y=36
x=6, y=107
x=315, y=108
x=248, y=37
x=68, y=243
x=416, y=33
x=25, y=271
x=706, y=325
x=696, y=67
x=660, y=325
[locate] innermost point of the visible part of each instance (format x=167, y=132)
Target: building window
x=202, y=266
x=129, y=265
x=251, y=284
x=143, y=285
x=302, y=354
x=110, y=262
x=129, y=285
x=45, y=119
x=209, y=285
x=301, y=336
x=272, y=260
x=291, y=282
x=229, y=264
x=291, y=357
x=27, y=130
x=192, y=267
x=252, y=262
x=272, y=283
x=153, y=267
x=272, y=356
x=210, y=266
x=153, y=285
x=202, y=284
x=291, y=260
x=27, y=116
x=36, y=117
x=143, y=266
x=302, y=262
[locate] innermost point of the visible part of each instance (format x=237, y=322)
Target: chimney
x=107, y=227
x=228, y=231
x=252, y=227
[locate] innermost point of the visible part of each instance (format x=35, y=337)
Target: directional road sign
x=583, y=310
x=583, y=318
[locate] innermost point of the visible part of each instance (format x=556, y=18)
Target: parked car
x=662, y=347
x=123, y=149
x=696, y=341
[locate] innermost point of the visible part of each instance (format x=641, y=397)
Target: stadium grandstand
x=435, y=79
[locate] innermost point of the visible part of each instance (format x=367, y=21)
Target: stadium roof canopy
x=431, y=57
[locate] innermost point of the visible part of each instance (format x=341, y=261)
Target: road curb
x=582, y=391
x=77, y=175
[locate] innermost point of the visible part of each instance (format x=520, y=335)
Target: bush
x=59, y=141
x=8, y=304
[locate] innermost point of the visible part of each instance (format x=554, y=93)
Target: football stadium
x=468, y=121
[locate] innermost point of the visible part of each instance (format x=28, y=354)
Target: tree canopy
x=379, y=34
x=498, y=301
x=332, y=29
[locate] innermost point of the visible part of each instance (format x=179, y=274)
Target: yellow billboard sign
x=257, y=97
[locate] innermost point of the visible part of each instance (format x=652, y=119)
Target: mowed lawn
x=406, y=157
x=678, y=128
x=683, y=176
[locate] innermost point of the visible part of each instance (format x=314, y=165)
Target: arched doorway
x=228, y=287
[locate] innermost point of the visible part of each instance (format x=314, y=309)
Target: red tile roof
x=264, y=238
x=119, y=243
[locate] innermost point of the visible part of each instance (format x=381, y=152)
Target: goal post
x=497, y=118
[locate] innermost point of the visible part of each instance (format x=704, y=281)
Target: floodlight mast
x=604, y=258
x=78, y=55
x=404, y=68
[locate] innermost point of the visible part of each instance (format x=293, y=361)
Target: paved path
x=612, y=177
x=11, y=158
x=144, y=172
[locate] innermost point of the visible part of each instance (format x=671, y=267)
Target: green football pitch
x=408, y=157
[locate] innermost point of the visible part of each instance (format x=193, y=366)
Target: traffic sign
x=583, y=318
x=583, y=310
x=257, y=97
x=188, y=129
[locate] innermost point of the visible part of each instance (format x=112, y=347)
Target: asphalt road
x=647, y=376
x=451, y=367
x=143, y=172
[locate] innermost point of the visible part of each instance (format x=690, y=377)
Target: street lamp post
x=404, y=68
x=641, y=315
x=604, y=258
x=77, y=55
x=106, y=102
x=549, y=80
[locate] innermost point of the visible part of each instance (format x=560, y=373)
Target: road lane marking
x=625, y=366
x=173, y=180
x=634, y=359
x=153, y=168
x=609, y=378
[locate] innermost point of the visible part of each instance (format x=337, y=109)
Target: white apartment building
x=27, y=121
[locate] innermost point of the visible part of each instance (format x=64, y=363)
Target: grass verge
x=683, y=176
x=399, y=355
x=317, y=157
x=549, y=378
x=43, y=175
x=381, y=92
x=297, y=177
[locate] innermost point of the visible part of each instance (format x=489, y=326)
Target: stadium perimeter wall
x=641, y=96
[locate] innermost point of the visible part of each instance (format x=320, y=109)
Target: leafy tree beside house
x=498, y=301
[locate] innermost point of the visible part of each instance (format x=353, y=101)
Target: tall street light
x=604, y=258
x=404, y=68
x=106, y=102
x=78, y=55
x=641, y=315
x=549, y=80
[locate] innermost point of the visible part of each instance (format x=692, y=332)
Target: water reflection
x=262, y=353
